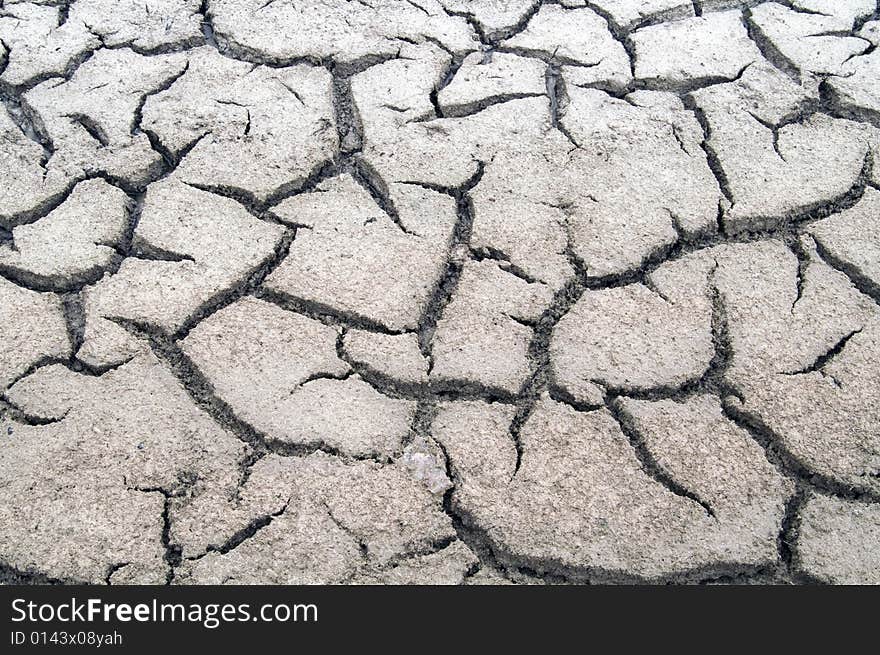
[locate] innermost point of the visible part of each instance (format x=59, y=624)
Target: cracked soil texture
x=439, y=291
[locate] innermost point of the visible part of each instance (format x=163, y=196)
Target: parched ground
x=439, y=291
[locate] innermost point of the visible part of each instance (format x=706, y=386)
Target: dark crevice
x=712, y=158
x=245, y=533
x=784, y=228
x=11, y=575
x=549, y=58
x=163, y=86
x=327, y=314
x=173, y=552
x=688, y=86
x=466, y=529
x=489, y=253
x=348, y=122
x=249, y=284
x=788, y=537
x=113, y=568
x=148, y=252
x=785, y=461
x=860, y=281
x=652, y=468
x=434, y=548
x=445, y=287
x=423, y=419
x=803, y=258
x=768, y=49
x=474, y=108
x=826, y=357
x=207, y=26
x=314, y=377
x=560, y=395
x=93, y=128
x=445, y=79
x=15, y=413
x=430, y=392
x=539, y=359
x=74, y=319
x=370, y=180
x=202, y=392
x=520, y=26
x=362, y=545
x=558, y=101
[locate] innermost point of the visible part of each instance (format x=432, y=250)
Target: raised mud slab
x=439, y=291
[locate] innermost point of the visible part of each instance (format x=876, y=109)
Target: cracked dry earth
x=439, y=291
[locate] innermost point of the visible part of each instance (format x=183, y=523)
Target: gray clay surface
x=439, y=291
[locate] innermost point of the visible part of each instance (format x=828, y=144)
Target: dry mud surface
x=439, y=291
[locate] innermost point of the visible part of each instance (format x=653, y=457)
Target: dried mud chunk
x=641, y=180
x=447, y=152
x=188, y=260
x=778, y=170
x=388, y=96
x=498, y=228
x=86, y=492
x=693, y=51
x=525, y=227
x=826, y=415
x=339, y=518
x=345, y=32
x=254, y=131
x=301, y=546
x=484, y=81
x=59, y=524
x=714, y=461
x=390, y=511
x=837, y=541
x=404, y=141
x=151, y=25
x=762, y=90
x=396, y=356
x=33, y=179
x=74, y=243
x=288, y=382
x=39, y=44
x=91, y=118
x=847, y=11
x=496, y=17
x=782, y=314
x=856, y=87
x=627, y=14
x=448, y=566
x=32, y=329
x=484, y=333
x=851, y=238
x=356, y=259
x=636, y=337
x=812, y=42
x=580, y=41
x=605, y=516
x=802, y=340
